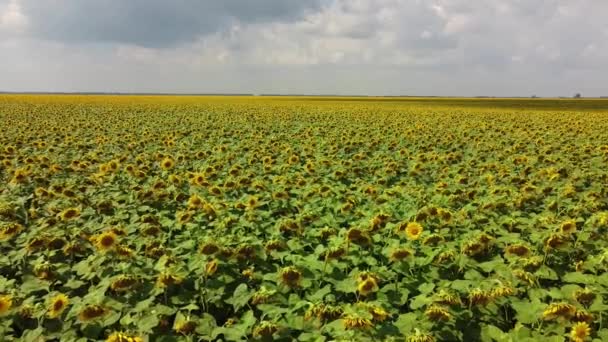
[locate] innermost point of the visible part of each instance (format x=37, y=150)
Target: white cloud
x=12, y=19
x=392, y=46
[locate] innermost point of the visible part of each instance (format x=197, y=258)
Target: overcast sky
x=410, y=47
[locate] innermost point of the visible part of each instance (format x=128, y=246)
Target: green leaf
x=528, y=312
x=147, y=323
x=579, y=278
x=241, y=297
x=492, y=333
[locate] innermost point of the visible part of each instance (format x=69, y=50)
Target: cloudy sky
x=411, y=47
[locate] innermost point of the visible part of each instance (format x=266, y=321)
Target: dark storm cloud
x=151, y=23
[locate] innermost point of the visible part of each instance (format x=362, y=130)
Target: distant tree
x=534, y=96
x=577, y=96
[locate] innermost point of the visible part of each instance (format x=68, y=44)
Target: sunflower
x=420, y=337
x=9, y=230
x=437, y=313
x=580, y=332
x=124, y=251
x=367, y=286
x=557, y=310
x=123, y=283
x=502, y=291
x=122, y=337
x=6, y=302
x=352, y=322
x=291, y=276
x=378, y=313
x=58, y=304
x=105, y=241
x=184, y=217
x=444, y=297
x=413, y=230
x=184, y=326
x=400, y=254
x=211, y=267
x=568, y=227
x=167, y=163
x=167, y=279
x=91, y=312
x=265, y=329
x=479, y=297
x=195, y=201
x=517, y=250
x=585, y=297
x=69, y=214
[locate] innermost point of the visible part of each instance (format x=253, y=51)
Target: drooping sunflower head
x=123, y=283
x=291, y=276
x=400, y=254
x=479, y=297
x=585, y=296
x=9, y=230
x=184, y=326
x=559, y=310
x=211, y=267
x=91, y=312
x=123, y=337
x=355, y=322
x=420, y=337
x=517, y=250
x=437, y=313
x=265, y=329
x=167, y=279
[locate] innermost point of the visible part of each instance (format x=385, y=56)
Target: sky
x=364, y=47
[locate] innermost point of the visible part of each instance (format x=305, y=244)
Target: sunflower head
x=479, y=297
x=412, y=230
x=211, y=267
x=585, y=296
x=6, y=302
x=437, y=313
x=91, y=312
x=123, y=337
x=517, y=250
x=354, y=322
x=367, y=285
x=265, y=329
x=580, y=332
x=105, y=241
x=9, y=230
x=559, y=310
x=184, y=326
x=167, y=163
x=123, y=283
x=58, y=304
x=420, y=337
x=358, y=236
x=70, y=213
x=167, y=279
x=291, y=276
x=568, y=227
x=400, y=254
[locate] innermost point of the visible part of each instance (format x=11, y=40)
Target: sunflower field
x=179, y=218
